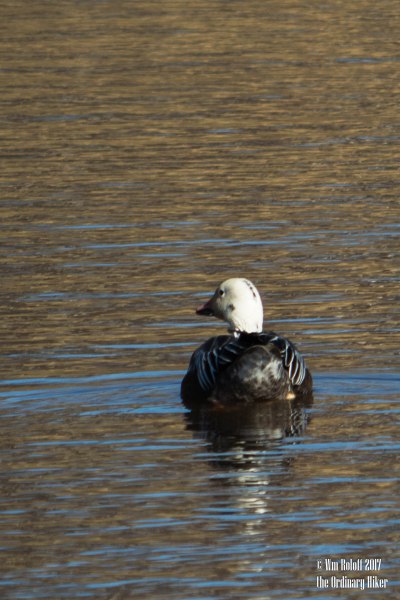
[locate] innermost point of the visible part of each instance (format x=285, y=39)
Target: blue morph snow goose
x=248, y=365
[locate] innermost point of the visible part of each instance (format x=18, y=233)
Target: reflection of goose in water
x=244, y=431
x=246, y=451
x=246, y=366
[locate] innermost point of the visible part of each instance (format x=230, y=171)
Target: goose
x=247, y=365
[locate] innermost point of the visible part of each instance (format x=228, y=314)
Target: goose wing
x=291, y=358
x=213, y=356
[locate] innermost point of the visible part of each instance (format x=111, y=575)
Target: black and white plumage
x=247, y=365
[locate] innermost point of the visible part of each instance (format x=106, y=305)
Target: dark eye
x=221, y=292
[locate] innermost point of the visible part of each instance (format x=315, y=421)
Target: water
x=110, y=487
x=149, y=152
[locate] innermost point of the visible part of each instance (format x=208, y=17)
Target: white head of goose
x=248, y=365
x=237, y=302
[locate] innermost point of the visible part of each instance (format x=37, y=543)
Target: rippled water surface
x=150, y=150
